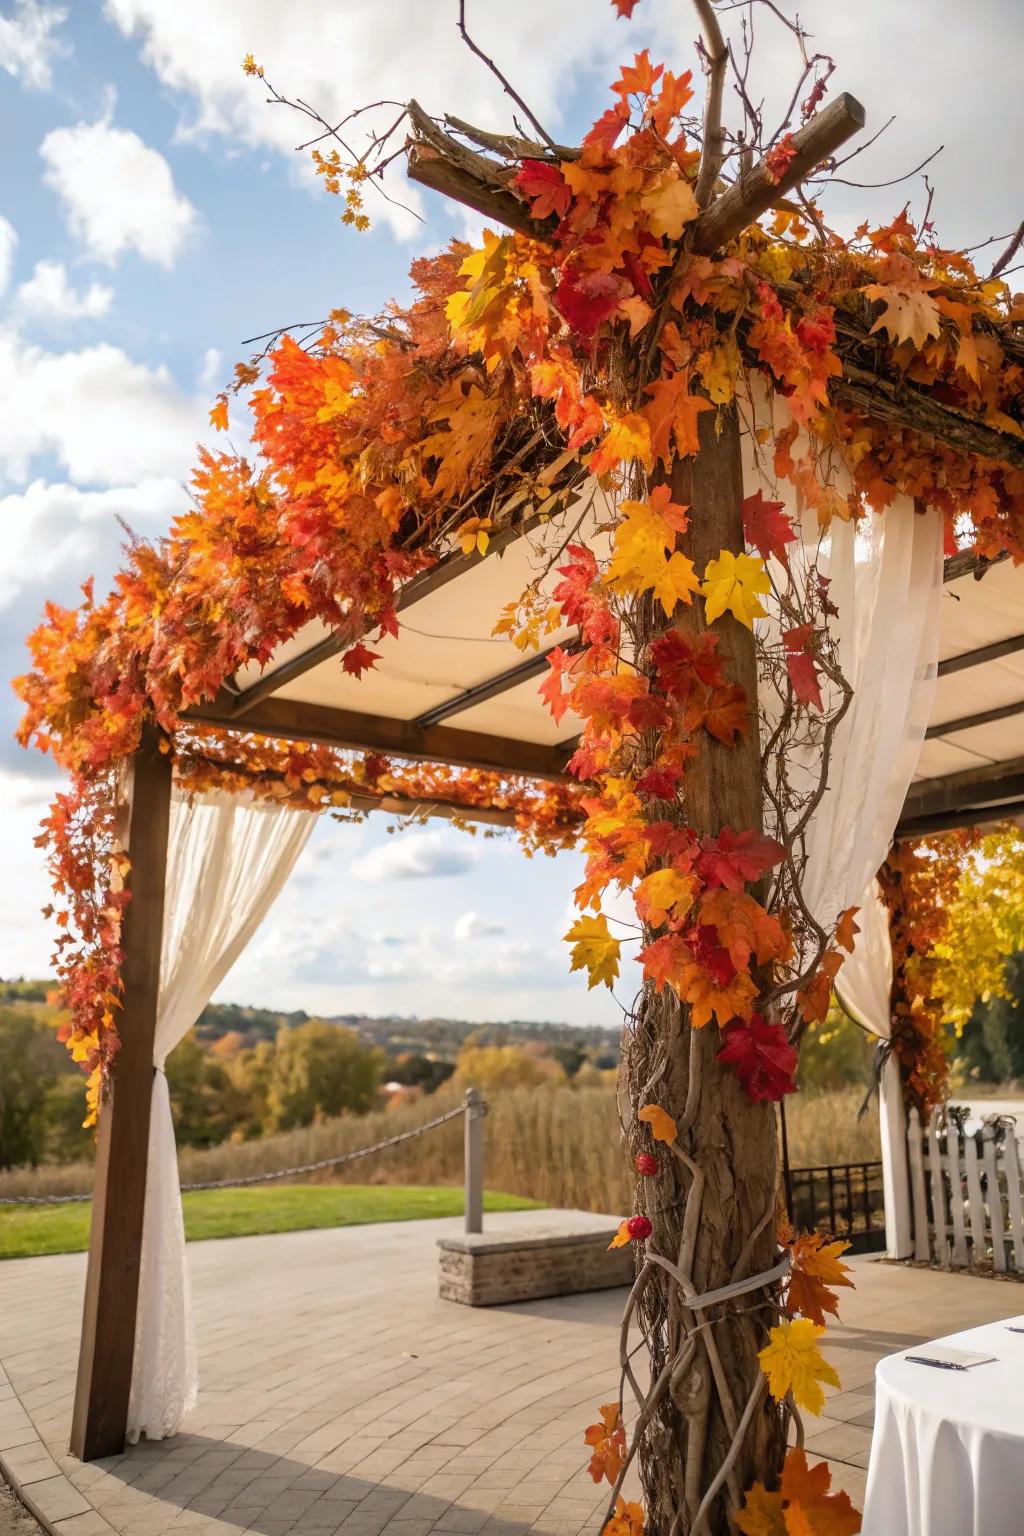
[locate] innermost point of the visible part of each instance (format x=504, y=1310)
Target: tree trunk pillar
x=727, y=1231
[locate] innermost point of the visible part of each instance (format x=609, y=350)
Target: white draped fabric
x=886, y=580
x=227, y=861
x=864, y=986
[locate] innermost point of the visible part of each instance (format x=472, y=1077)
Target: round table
x=947, y=1453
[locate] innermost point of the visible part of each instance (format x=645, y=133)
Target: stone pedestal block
x=566, y=1252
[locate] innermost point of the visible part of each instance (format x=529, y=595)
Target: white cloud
x=27, y=42
x=50, y=529
x=108, y=419
x=472, y=926
x=210, y=373
x=8, y=242
x=118, y=193
x=414, y=856
x=48, y=295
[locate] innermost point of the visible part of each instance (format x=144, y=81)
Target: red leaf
x=800, y=664
x=660, y=783
x=679, y=662
x=766, y=527
x=760, y=1056
x=608, y=126
x=359, y=659
x=676, y=845
x=550, y=689
x=649, y=712
x=543, y=185
x=586, y=299
x=712, y=956
x=625, y=8
x=574, y=592
x=732, y=859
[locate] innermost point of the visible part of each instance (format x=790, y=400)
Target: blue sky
x=153, y=214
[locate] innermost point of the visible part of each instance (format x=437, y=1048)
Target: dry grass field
x=558, y=1145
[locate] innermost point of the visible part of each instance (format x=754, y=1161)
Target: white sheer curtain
x=886, y=581
x=885, y=578
x=864, y=985
x=228, y=858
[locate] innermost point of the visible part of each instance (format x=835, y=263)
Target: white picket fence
x=966, y=1194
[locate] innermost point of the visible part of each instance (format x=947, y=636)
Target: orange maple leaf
x=744, y=927
x=608, y=1441
x=673, y=413
x=816, y=1266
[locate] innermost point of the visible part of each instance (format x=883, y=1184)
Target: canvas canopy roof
x=450, y=689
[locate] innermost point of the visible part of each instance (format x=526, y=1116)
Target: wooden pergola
x=448, y=691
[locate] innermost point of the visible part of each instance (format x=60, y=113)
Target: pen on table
x=942, y=1365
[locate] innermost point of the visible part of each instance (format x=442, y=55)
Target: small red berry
x=638, y=1228
x=646, y=1163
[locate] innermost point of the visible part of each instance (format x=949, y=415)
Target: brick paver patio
x=339, y=1395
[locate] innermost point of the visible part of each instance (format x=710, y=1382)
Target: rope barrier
x=263, y=1178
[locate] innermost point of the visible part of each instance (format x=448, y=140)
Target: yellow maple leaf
x=732, y=583
x=626, y=439
x=621, y=1237
x=219, y=414
x=594, y=950
x=669, y=205
x=792, y=1362
x=909, y=314
x=644, y=557
x=663, y=894
x=762, y=1513
x=473, y=535
x=663, y=1127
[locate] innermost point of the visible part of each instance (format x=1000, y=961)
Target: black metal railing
x=842, y=1199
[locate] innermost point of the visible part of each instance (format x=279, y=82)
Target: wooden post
x=119, y=1191
x=474, y=1160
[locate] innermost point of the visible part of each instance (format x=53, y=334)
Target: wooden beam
x=904, y=406
x=100, y=1415
x=968, y=563
x=442, y=163
x=447, y=569
x=492, y=688
x=977, y=658
x=295, y=720
x=914, y=829
x=968, y=722
x=972, y=788
x=753, y=194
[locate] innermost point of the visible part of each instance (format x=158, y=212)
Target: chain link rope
x=264, y=1178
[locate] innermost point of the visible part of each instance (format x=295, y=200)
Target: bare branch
x=1010, y=252
x=713, y=151
x=496, y=72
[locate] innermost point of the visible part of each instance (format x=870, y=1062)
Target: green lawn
x=27, y=1230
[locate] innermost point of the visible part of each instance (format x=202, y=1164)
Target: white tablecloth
x=947, y=1454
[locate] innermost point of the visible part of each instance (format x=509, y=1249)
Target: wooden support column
x=119, y=1190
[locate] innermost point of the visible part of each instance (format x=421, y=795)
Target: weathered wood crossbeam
x=970, y=792
x=441, y=161
x=296, y=720
x=915, y=828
